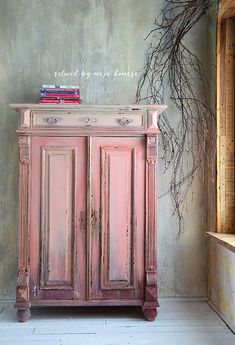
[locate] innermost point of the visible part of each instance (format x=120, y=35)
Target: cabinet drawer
x=120, y=120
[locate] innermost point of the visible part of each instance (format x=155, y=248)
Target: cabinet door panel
x=57, y=214
x=59, y=197
x=117, y=217
x=117, y=253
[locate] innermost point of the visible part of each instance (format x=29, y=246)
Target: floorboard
x=178, y=323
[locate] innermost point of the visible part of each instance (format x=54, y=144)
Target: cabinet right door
x=117, y=218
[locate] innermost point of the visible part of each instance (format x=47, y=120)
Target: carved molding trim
x=151, y=275
x=152, y=147
x=22, y=286
x=88, y=120
x=152, y=119
x=151, y=300
x=24, y=118
x=150, y=256
x=22, y=289
x=51, y=120
x=124, y=121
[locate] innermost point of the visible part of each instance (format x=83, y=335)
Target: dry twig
x=190, y=148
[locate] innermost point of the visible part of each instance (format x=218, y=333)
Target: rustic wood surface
x=108, y=185
x=225, y=120
x=179, y=322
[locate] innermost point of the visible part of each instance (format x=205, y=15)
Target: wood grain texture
x=180, y=322
x=225, y=125
x=226, y=8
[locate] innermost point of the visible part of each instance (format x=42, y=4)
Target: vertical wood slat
x=227, y=8
x=225, y=125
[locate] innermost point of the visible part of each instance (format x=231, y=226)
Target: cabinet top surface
x=117, y=107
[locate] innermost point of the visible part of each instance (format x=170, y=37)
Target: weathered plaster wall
x=41, y=37
x=222, y=280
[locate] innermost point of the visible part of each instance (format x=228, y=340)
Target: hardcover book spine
x=60, y=86
x=57, y=101
x=49, y=101
x=67, y=91
x=61, y=95
x=70, y=101
x=61, y=98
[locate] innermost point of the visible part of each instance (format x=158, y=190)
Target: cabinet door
x=117, y=218
x=57, y=239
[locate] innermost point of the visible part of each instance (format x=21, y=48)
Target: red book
x=49, y=101
x=61, y=95
x=57, y=101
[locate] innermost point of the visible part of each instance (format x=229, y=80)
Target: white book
x=60, y=86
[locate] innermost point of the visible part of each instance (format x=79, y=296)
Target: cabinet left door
x=57, y=219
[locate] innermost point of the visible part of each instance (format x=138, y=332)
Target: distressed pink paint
x=87, y=205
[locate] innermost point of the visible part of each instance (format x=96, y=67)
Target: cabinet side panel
x=57, y=216
x=118, y=228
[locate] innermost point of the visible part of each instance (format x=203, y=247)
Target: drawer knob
x=51, y=120
x=88, y=120
x=123, y=121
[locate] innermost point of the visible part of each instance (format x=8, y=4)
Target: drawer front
x=119, y=120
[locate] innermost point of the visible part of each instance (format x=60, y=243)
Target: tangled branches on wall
x=190, y=148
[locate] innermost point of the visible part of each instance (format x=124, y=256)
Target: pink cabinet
x=87, y=205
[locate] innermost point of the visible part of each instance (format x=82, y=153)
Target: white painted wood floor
x=178, y=323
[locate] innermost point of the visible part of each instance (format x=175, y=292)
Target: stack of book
x=60, y=94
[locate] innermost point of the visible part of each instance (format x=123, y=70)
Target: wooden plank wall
x=225, y=121
x=227, y=8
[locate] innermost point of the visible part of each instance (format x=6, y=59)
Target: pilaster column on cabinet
x=151, y=301
x=22, y=287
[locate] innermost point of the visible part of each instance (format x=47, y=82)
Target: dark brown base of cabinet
x=23, y=315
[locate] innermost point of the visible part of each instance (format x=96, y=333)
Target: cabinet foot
x=23, y=315
x=150, y=314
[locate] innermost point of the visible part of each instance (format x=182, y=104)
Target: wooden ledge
x=227, y=240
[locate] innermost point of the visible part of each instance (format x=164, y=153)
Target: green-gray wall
x=41, y=37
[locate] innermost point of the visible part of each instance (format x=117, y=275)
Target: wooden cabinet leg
x=150, y=314
x=23, y=315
